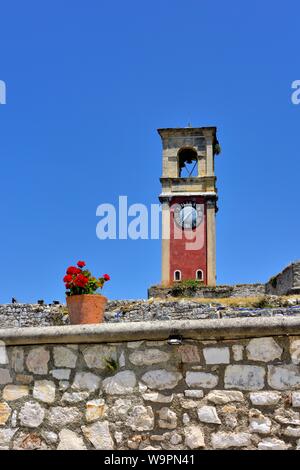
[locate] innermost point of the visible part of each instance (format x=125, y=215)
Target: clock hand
x=187, y=215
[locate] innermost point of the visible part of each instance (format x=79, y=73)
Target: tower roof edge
x=168, y=131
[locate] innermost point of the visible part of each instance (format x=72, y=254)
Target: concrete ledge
x=229, y=328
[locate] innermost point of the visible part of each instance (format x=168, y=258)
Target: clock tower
x=189, y=204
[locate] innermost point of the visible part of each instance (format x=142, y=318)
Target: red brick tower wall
x=181, y=258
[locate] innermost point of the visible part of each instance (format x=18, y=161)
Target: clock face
x=188, y=215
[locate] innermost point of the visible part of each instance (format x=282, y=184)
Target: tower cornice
x=187, y=131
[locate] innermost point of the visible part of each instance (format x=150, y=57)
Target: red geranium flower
x=68, y=278
x=73, y=270
x=81, y=280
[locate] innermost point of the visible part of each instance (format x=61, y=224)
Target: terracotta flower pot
x=86, y=308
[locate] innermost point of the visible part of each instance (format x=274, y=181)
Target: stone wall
x=20, y=315
x=27, y=315
x=239, y=290
x=232, y=383
x=286, y=282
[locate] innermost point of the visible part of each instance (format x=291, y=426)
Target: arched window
x=187, y=163
x=177, y=275
x=199, y=275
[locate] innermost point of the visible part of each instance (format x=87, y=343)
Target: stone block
x=31, y=415
x=5, y=377
x=225, y=440
x=14, y=392
x=121, y=383
x=59, y=416
x=95, y=409
x=244, y=377
x=44, y=390
x=201, y=379
x=283, y=377
x=161, y=379
x=69, y=440
x=140, y=418
x=194, y=437
x=86, y=381
x=167, y=418
x=295, y=399
x=64, y=357
x=189, y=353
x=217, y=355
x=265, y=398
x=220, y=397
x=5, y=412
x=99, y=435
x=37, y=360
x=96, y=357
x=272, y=443
x=237, y=351
x=263, y=349
x=148, y=357
x=208, y=414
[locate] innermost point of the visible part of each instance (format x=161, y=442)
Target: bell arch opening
x=187, y=163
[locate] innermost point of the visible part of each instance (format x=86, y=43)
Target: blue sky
x=88, y=84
